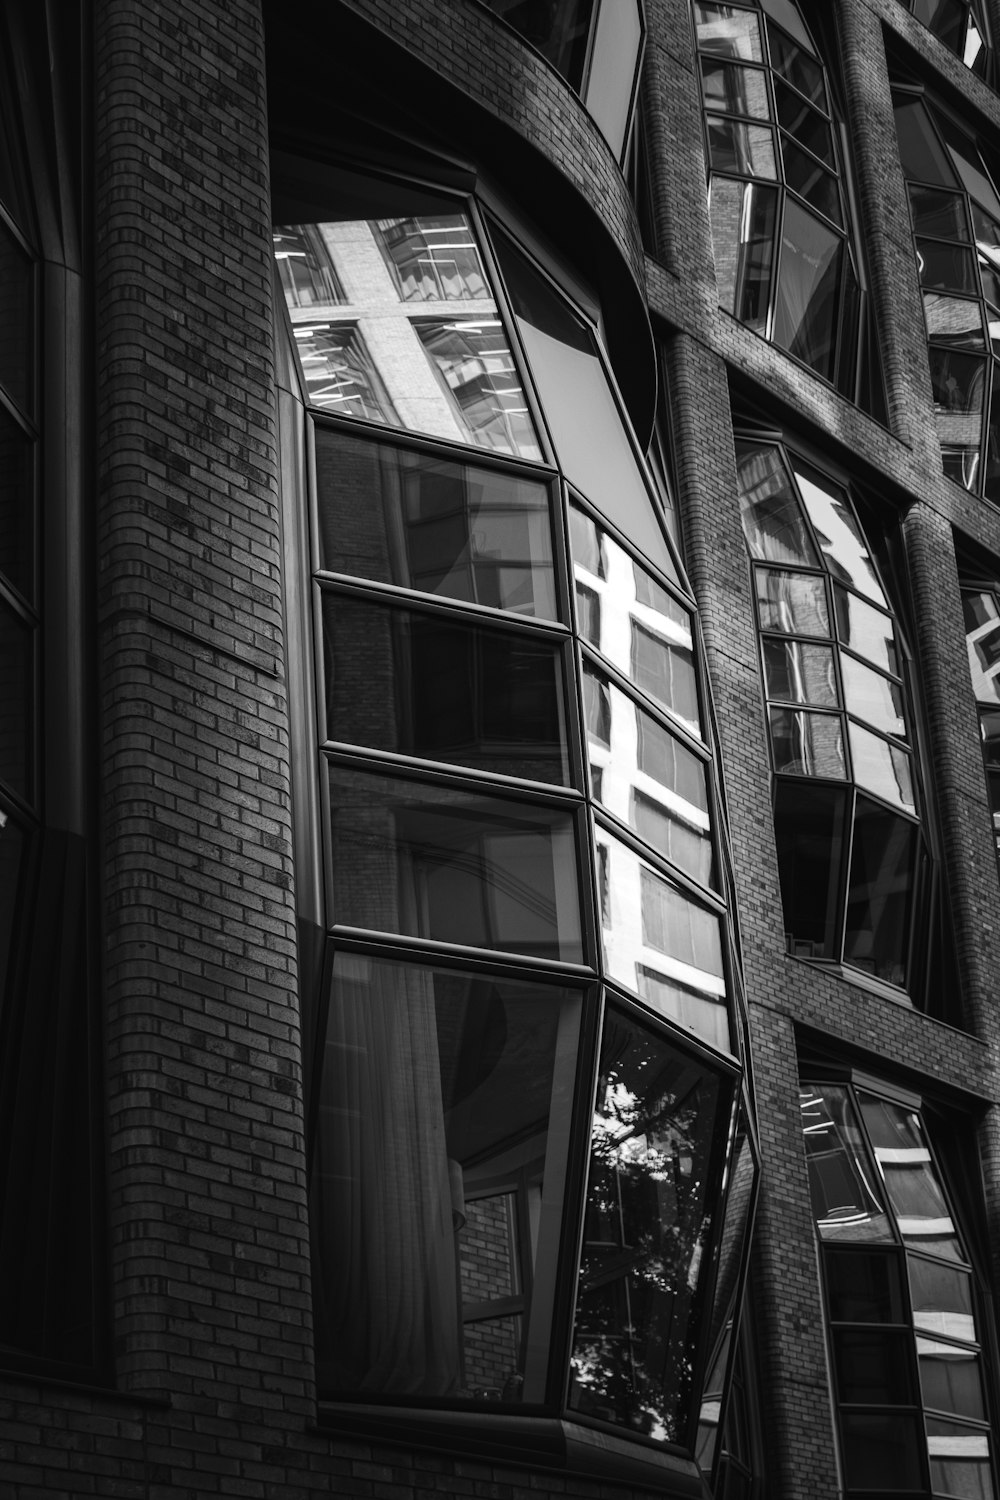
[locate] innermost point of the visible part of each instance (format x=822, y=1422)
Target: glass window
x=457, y=866
x=872, y=697
x=16, y=319
x=881, y=1451
x=733, y=89
x=434, y=258
x=880, y=892
x=305, y=268
x=646, y=1225
x=808, y=281
x=938, y=213
x=867, y=631
x=807, y=744
x=863, y=1288
x=339, y=373
x=559, y=32
x=845, y=551
x=734, y=146
x=445, y=527
x=743, y=221
x=442, y=688
x=873, y=1368
x=17, y=654
x=847, y=1201
x=773, y=523
x=793, y=603
x=17, y=506
x=810, y=826
x=728, y=30
x=438, y=1164
x=797, y=673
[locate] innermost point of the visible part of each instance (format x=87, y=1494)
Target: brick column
x=207, y=1189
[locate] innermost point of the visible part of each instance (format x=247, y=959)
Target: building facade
x=499, y=780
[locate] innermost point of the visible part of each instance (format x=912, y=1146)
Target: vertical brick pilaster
x=207, y=1189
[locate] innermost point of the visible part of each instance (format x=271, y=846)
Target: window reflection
x=961, y=25
x=982, y=635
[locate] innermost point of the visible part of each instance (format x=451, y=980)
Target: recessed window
x=963, y=28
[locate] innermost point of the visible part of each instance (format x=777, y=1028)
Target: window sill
x=517, y=1440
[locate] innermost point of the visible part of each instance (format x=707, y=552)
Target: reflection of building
x=498, y=910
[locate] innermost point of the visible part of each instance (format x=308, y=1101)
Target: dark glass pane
x=430, y=1085
x=880, y=893
x=868, y=631
x=583, y=417
x=305, y=268
x=946, y=18
x=454, y=529
x=648, y=1217
x=17, y=506
x=444, y=689
x=746, y=150
x=17, y=702
x=958, y=382
x=882, y=1451
x=457, y=866
x=665, y=670
x=971, y=168
x=807, y=744
x=807, y=304
x=986, y=231
x=796, y=66
x=820, y=189
x=734, y=90
x=991, y=475
x=809, y=831
x=16, y=320
x=806, y=125
x=942, y=1298
x=434, y=258
x=773, y=523
x=874, y=1367
x=920, y=150
x=13, y=850
x=559, y=32
x=728, y=31
x=939, y=214
x=954, y=321
x=792, y=602
x=797, y=673
x=863, y=1287
x=872, y=697
x=743, y=218
x=948, y=267
x=477, y=371
x=845, y=1197
x=950, y=1379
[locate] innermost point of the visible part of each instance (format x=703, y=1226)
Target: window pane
x=612, y=73
x=880, y=893
x=809, y=824
x=647, y=1221
x=792, y=602
x=846, y=1199
x=743, y=218
x=807, y=744
x=734, y=146
x=863, y=1287
x=958, y=382
x=882, y=1451
x=920, y=150
x=583, y=417
x=798, y=673
x=960, y=1460
x=305, y=269
x=559, y=32
x=665, y=670
x=844, y=548
x=459, y=530
x=17, y=506
x=773, y=523
x=431, y=1085
x=659, y=943
x=807, y=304
x=948, y=267
x=13, y=850
x=954, y=321
x=728, y=32
x=645, y=776
x=939, y=214
x=734, y=90
x=866, y=630
x=459, y=867
x=942, y=1299
x=881, y=768
x=873, y=1368
x=16, y=320
x=477, y=371
x=794, y=64
x=444, y=689
x=911, y=1177
x=873, y=697
x=806, y=125
x=17, y=702
x=340, y=374
x=433, y=259
x=950, y=1379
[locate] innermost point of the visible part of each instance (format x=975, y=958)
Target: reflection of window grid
x=880, y=1263
x=433, y=258
x=339, y=373
x=770, y=129
x=475, y=366
x=962, y=26
x=308, y=275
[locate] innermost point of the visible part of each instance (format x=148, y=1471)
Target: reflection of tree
x=646, y=1228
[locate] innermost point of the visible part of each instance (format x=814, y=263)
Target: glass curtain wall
x=526, y=1031
x=955, y=212
x=963, y=28
x=851, y=852
x=787, y=256
x=905, y=1308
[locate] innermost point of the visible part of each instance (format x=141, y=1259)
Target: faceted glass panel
x=959, y=1460
x=880, y=893
x=458, y=530
x=16, y=320
x=950, y=1379
x=560, y=33
x=17, y=702
x=797, y=673
x=863, y=1287
x=339, y=372
x=807, y=744
x=648, y=1216
x=881, y=768
x=431, y=1085
x=583, y=417
x=453, y=865
x=434, y=258
x=307, y=274
x=612, y=72
x=810, y=129
x=867, y=631
x=792, y=602
x=941, y=215
x=809, y=828
x=923, y=157
x=665, y=671
x=844, y=549
x=729, y=31
x=882, y=1451
x=950, y=268
x=773, y=524
x=958, y=382
x=954, y=321
x=14, y=845
x=806, y=307
x=793, y=62
x=745, y=150
x=660, y=944
x=17, y=508
x=847, y=1201
x=743, y=219
x=941, y=1297
x=444, y=688
x=477, y=371
x=873, y=697
x=911, y=1178
x=820, y=189
x=731, y=89
x=874, y=1367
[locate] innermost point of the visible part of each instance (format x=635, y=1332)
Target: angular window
x=850, y=846
x=787, y=257
x=981, y=602
x=515, y=858
x=955, y=212
x=963, y=28
x=596, y=45
x=901, y=1299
